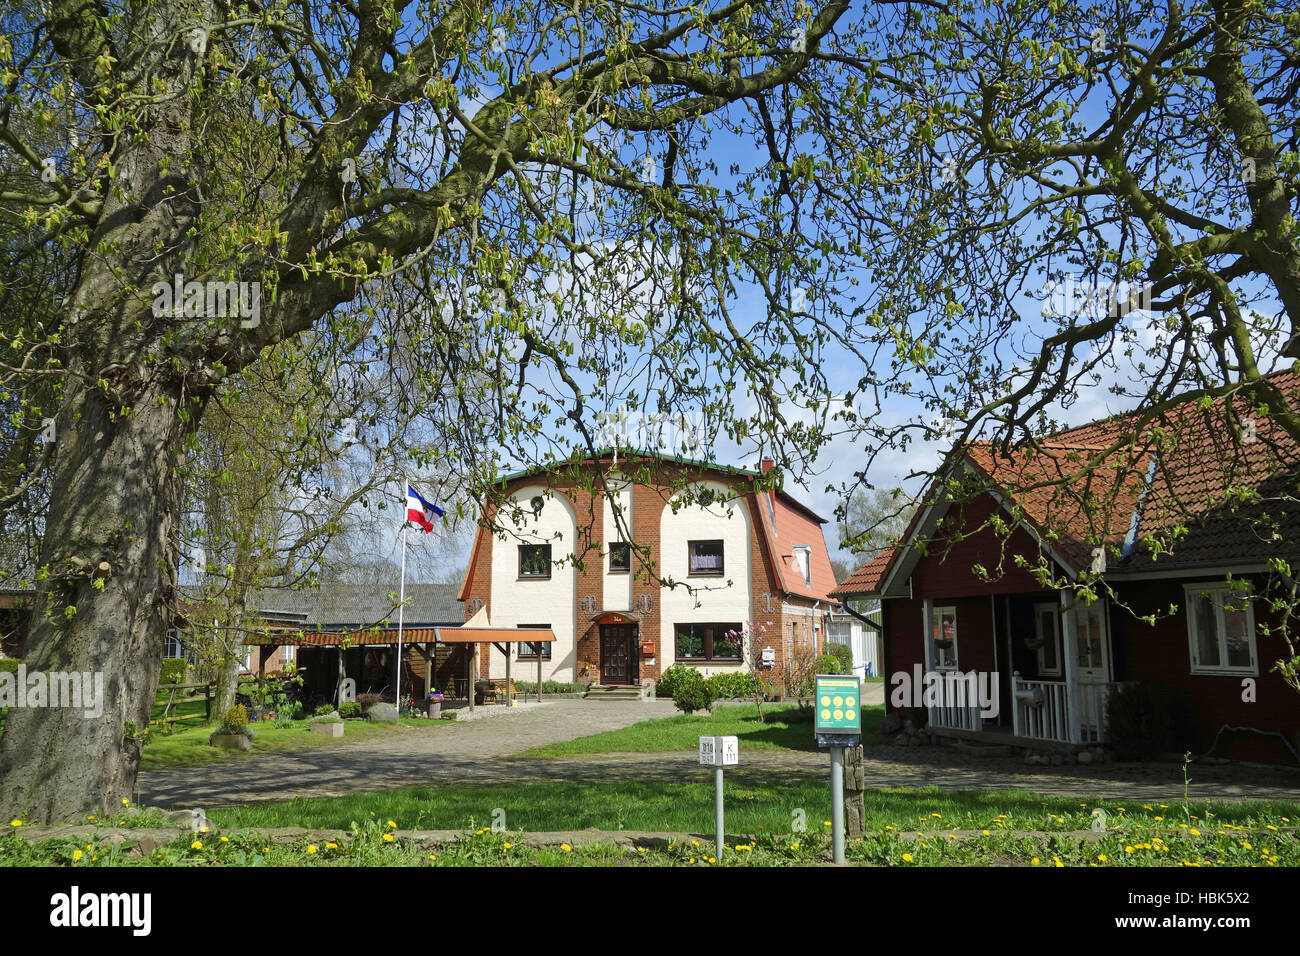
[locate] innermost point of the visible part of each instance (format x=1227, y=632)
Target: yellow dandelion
x=77, y=855
x=985, y=832
x=432, y=857
x=1101, y=857
x=126, y=802
x=311, y=848
x=508, y=846
x=907, y=858
x=225, y=839
x=1128, y=849
x=392, y=825
x=388, y=838
x=1034, y=861
x=568, y=849
x=15, y=823
x=196, y=845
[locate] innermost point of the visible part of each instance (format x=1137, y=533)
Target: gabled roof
x=867, y=579
x=784, y=522
x=1181, y=478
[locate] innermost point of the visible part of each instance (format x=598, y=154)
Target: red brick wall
x=648, y=502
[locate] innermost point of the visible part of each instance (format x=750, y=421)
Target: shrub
x=692, y=693
x=329, y=717
x=235, y=720
x=672, y=678
x=9, y=665
x=842, y=653
x=368, y=700
x=825, y=664
x=175, y=670
x=323, y=709
x=350, y=708
x=732, y=684
x=1145, y=720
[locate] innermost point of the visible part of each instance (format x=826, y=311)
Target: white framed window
x=943, y=635
x=1220, y=630
x=803, y=557
x=1047, y=636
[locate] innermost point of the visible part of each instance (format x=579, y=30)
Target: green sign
x=839, y=707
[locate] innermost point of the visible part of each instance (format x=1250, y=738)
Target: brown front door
x=618, y=661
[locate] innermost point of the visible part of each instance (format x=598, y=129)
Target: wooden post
x=855, y=782
x=539, y=673
x=509, y=696
x=469, y=688
x=428, y=670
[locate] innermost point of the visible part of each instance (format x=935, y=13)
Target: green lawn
x=190, y=748
x=786, y=726
x=753, y=804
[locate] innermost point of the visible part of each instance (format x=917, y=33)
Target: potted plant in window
x=433, y=704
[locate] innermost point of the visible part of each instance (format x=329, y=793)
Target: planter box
x=330, y=729
x=232, y=741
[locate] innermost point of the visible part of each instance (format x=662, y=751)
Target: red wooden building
x=1137, y=549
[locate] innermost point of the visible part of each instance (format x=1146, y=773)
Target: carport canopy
x=501, y=638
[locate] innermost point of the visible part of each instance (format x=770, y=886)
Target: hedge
x=842, y=653
x=175, y=670
x=732, y=684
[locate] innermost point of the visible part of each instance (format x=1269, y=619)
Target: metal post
x=717, y=808
x=401, y=607
x=837, y=804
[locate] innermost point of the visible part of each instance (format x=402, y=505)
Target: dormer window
x=803, y=559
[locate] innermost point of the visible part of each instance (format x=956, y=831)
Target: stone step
x=607, y=692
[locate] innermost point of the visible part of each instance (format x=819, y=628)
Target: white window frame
x=936, y=619
x=803, y=558
x=1219, y=593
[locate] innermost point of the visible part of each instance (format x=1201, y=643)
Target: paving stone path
x=479, y=752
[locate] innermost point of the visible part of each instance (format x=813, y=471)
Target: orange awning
x=493, y=635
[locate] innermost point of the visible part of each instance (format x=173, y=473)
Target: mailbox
x=647, y=648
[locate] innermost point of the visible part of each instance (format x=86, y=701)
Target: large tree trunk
x=112, y=521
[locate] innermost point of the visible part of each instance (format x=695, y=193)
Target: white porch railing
x=1041, y=710
x=958, y=705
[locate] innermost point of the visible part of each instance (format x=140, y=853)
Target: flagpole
x=401, y=607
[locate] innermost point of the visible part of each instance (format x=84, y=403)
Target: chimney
x=766, y=465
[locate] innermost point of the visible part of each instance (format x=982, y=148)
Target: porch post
x=509, y=696
x=927, y=634
x=1070, y=651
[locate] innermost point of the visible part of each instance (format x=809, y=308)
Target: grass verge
x=785, y=726
x=190, y=747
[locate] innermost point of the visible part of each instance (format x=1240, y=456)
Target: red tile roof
x=786, y=526
x=1178, y=489
x=866, y=579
